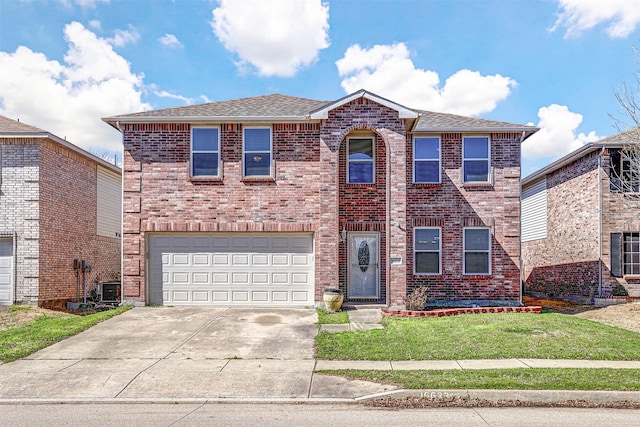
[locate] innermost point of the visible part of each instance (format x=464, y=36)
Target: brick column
x=396, y=216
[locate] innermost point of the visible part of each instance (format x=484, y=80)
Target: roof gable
x=403, y=112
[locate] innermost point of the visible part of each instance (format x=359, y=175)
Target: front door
x=364, y=258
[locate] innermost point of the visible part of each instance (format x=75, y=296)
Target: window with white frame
x=205, y=151
x=477, y=250
x=360, y=161
x=426, y=160
x=476, y=154
x=256, y=152
x=427, y=249
x=631, y=252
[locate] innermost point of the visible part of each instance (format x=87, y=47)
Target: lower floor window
x=426, y=242
x=477, y=250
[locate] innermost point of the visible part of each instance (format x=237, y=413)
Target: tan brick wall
x=19, y=211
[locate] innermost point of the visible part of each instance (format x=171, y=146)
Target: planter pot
x=332, y=298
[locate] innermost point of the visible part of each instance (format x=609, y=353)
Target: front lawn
x=505, y=379
x=483, y=336
x=21, y=341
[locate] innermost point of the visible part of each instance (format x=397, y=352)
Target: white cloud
x=170, y=40
x=83, y=3
x=277, y=37
x=622, y=16
x=95, y=24
x=388, y=71
x=557, y=135
x=165, y=94
x=122, y=37
x=68, y=99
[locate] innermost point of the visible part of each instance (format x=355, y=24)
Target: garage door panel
x=241, y=269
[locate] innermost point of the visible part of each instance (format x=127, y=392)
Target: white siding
x=109, y=203
x=534, y=211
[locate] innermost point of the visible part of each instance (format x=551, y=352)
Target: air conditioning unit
x=110, y=292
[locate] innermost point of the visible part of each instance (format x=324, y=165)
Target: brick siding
x=49, y=201
x=310, y=194
x=568, y=263
x=453, y=205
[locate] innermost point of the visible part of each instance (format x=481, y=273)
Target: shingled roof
x=279, y=107
x=432, y=121
x=14, y=127
x=268, y=106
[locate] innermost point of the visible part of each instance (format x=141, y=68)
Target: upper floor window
x=477, y=250
x=427, y=249
x=476, y=155
x=426, y=160
x=205, y=151
x=624, y=171
x=360, y=164
x=256, y=152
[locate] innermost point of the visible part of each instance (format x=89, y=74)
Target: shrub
x=619, y=291
x=417, y=299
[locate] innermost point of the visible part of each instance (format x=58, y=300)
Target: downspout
x=600, y=222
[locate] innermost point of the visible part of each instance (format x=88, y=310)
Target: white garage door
x=6, y=271
x=255, y=269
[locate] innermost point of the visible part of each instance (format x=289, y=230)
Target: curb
x=528, y=396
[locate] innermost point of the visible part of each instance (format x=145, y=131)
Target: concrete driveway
x=182, y=352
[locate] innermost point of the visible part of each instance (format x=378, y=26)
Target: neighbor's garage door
x=231, y=269
x=6, y=271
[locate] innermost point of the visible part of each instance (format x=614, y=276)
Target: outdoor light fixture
x=343, y=235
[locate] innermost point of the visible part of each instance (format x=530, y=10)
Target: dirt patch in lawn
x=16, y=316
x=625, y=316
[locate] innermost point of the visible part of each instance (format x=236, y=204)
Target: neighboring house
x=270, y=200
x=58, y=204
x=581, y=223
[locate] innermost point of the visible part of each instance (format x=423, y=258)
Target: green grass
x=483, y=336
x=19, y=342
x=522, y=379
x=326, y=318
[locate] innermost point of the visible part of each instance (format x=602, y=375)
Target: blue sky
x=555, y=64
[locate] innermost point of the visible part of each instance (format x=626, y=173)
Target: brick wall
x=566, y=263
x=453, y=205
x=19, y=211
x=362, y=114
x=68, y=225
x=160, y=196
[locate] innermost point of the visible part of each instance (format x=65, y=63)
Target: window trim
x=271, y=161
x=372, y=161
x=464, y=251
x=439, y=159
x=415, y=251
x=488, y=159
x=192, y=152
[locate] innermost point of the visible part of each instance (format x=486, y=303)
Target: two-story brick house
x=58, y=203
x=581, y=222
x=269, y=200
